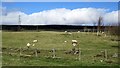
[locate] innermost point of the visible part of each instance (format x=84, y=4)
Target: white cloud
x=12, y=18
x=62, y=16
x=111, y=18
x=2, y=10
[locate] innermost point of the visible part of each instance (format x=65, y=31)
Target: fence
x=83, y=55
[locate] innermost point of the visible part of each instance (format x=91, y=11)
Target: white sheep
x=74, y=42
x=78, y=31
x=69, y=33
x=101, y=60
x=34, y=41
x=33, y=45
x=65, y=41
x=102, y=32
x=28, y=45
x=65, y=31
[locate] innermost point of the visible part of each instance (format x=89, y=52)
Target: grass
x=90, y=45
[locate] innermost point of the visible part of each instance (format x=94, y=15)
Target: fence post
x=106, y=54
x=36, y=53
x=20, y=51
x=79, y=56
x=53, y=52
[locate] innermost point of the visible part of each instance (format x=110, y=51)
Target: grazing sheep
x=34, y=41
x=65, y=31
x=78, y=31
x=28, y=45
x=65, y=41
x=33, y=45
x=103, y=32
x=74, y=42
x=69, y=33
x=101, y=60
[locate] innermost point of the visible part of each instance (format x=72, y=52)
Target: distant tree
x=114, y=29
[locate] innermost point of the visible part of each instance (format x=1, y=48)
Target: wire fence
x=93, y=55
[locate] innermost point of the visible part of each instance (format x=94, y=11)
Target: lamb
x=34, y=41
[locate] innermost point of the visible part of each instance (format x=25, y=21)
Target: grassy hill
x=90, y=45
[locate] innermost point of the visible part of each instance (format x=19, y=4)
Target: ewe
x=74, y=42
x=69, y=33
x=34, y=41
x=78, y=31
x=33, y=45
x=103, y=32
x=65, y=31
x=28, y=45
x=65, y=41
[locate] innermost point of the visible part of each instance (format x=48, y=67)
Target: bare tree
x=99, y=24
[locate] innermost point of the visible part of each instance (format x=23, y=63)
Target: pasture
x=89, y=43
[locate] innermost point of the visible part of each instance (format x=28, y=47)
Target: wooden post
x=105, y=35
x=53, y=52
x=97, y=33
x=106, y=54
x=36, y=53
x=79, y=55
x=9, y=50
x=20, y=51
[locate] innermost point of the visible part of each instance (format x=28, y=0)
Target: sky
x=60, y=0
x=32, y=7
x=59, y=13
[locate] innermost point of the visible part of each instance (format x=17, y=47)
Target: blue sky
x=33, y=7
x=60, y=0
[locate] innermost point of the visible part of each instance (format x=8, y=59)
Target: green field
x=89, y=43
